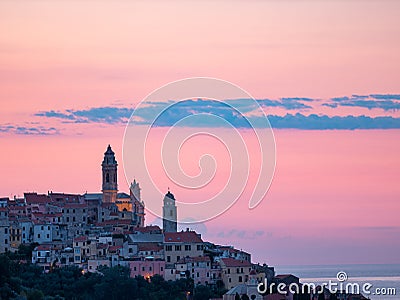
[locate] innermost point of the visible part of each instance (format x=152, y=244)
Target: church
x=132, y=203
x=125, y=203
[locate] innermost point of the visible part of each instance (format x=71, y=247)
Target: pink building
x=147, y=268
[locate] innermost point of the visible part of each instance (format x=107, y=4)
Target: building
x=182, y=244
x=249, y=289
x=169, y=213
x=198, y=268
x=147, y=268
x=4, y=230
x=234, y=272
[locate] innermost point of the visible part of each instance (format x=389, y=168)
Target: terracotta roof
x=82, y=238
x=34, y=198
x=230, y=262
x=182, y=237
x=149, y=247
x=43, y=248
x=114, y=248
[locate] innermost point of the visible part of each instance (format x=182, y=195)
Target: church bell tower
x=110, y=182
x=169, y=213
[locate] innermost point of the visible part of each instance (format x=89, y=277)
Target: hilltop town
x=93, y=230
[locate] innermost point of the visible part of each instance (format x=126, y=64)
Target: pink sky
x=335, y=195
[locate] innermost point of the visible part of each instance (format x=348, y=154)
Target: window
x=162, y=269
x=134, y=268
x=67, y=219
x=171, y=213
x=240, y=279
x=177, y=247
x=150, y=268
x=169, y=259
x=168, y=248
x=6, y=230
x=107, y=178
x=48, y=236
x=6, y=241
x=241, y=270
x=130, y=250
x=38, y=236
x=230, y=280
x=178, y=258
x=229, y=271
x=41, y=227
x=73, y=219
x=188, y=247
x=73, y=211
x=197, y=274
x=143, y=269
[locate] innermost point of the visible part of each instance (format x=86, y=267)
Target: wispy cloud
x=239, y=113
x=109, y=115
x=28, y=130
x=386, y=102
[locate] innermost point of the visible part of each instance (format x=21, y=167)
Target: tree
x=201, y=292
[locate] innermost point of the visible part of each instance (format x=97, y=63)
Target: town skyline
x=324, y=72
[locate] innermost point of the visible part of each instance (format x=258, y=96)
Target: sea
x=380, y=281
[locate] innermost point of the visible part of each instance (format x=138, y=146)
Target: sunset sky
x=325, y=72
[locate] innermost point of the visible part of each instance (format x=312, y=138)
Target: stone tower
x=137, y=204
x=169, y=213
x=110, y=182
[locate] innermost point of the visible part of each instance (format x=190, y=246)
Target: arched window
x=107, y=177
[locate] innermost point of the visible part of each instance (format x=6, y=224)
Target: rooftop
x=182, y=237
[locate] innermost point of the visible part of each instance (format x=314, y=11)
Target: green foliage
x=28, y=281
